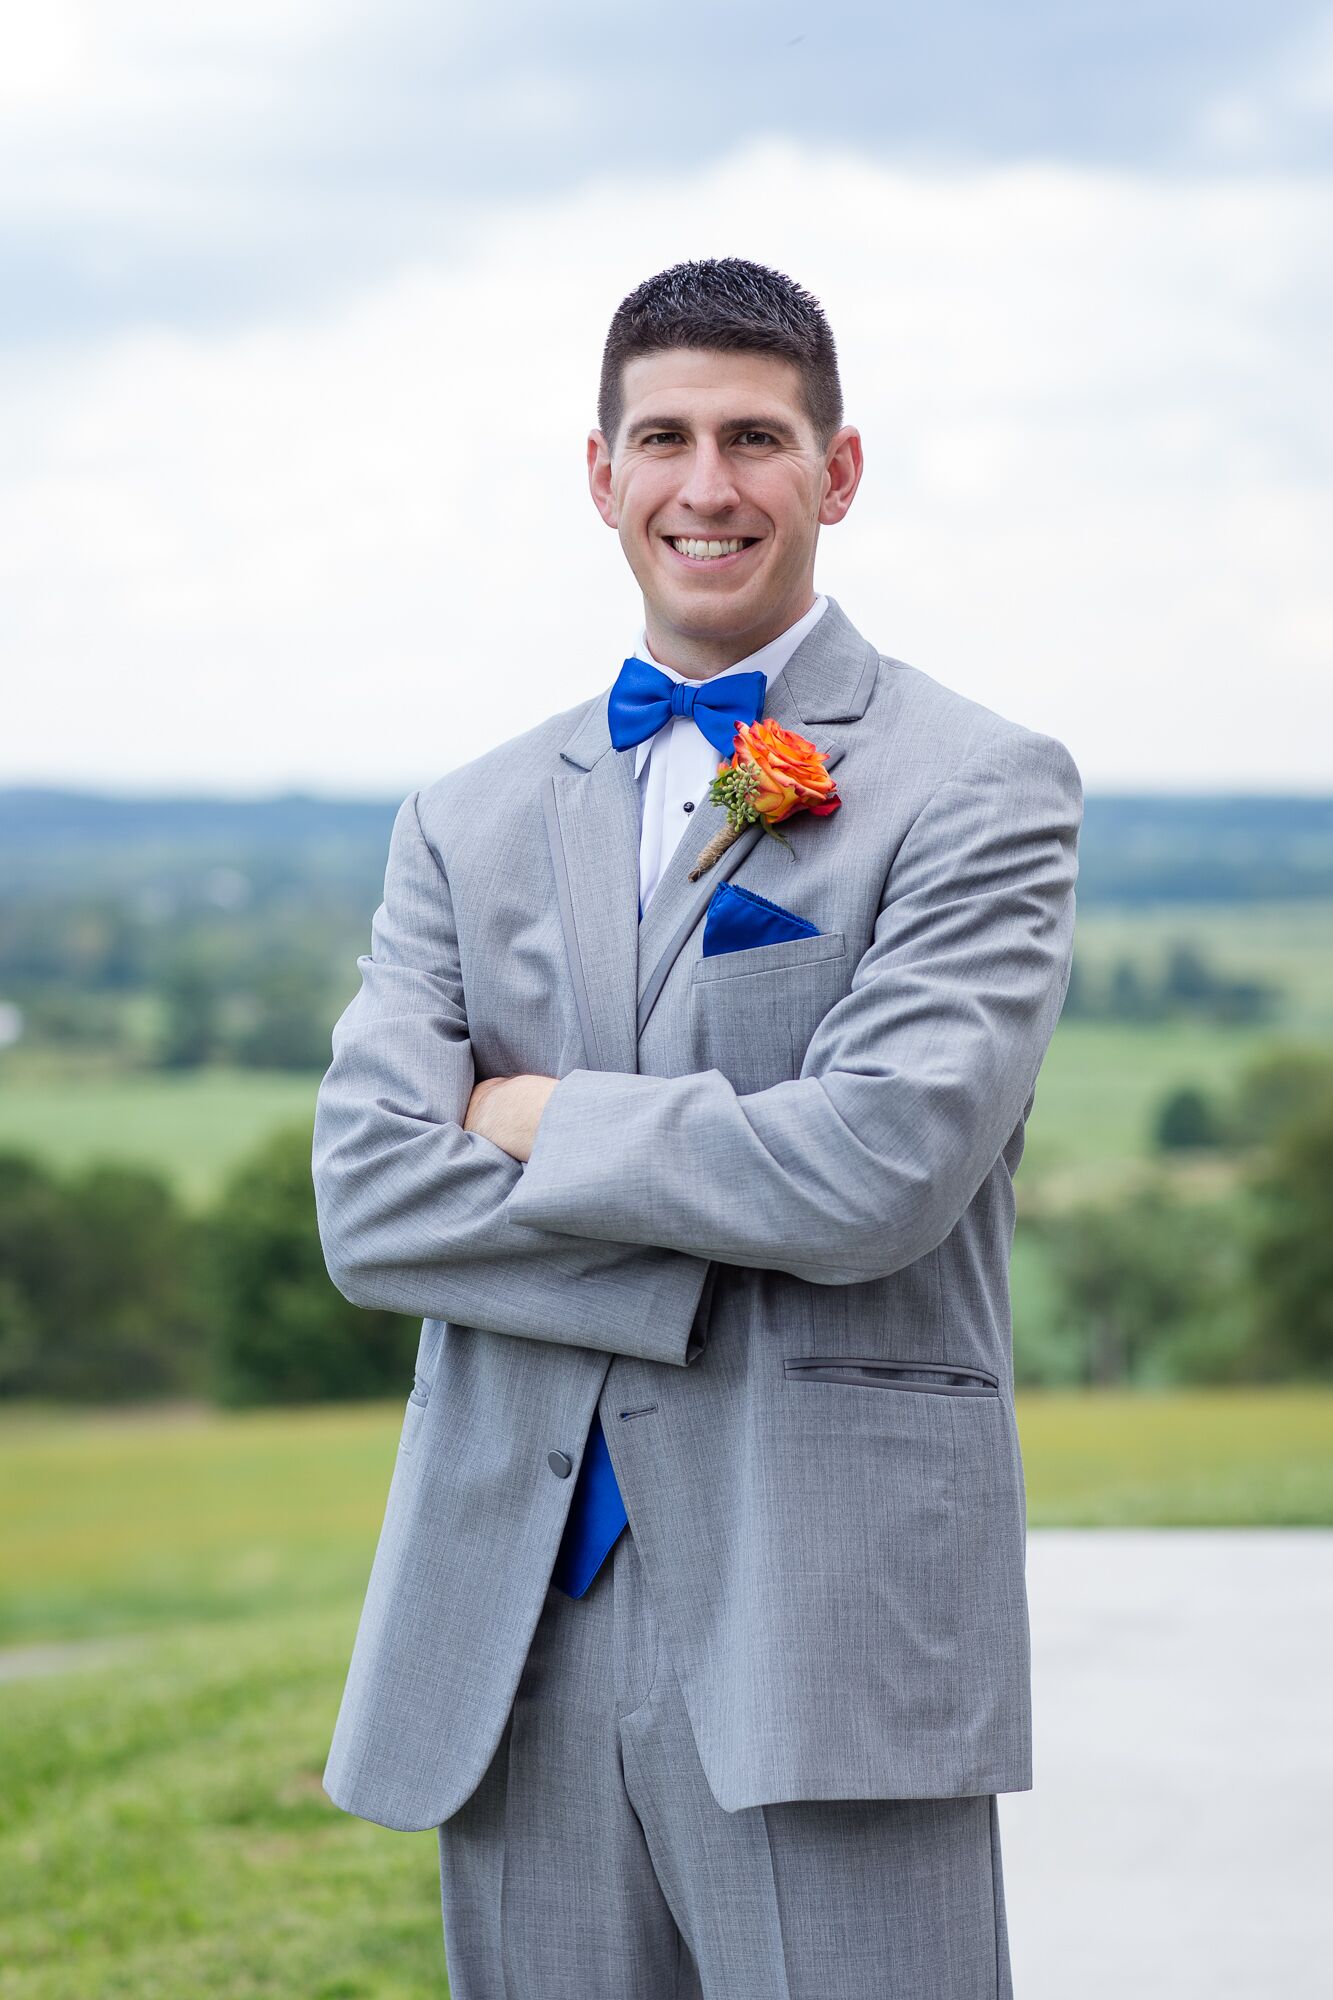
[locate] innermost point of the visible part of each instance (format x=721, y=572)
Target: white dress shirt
x=675, y=767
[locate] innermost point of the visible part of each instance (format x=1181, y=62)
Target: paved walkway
x=25, y=1663
x=1178, y=1840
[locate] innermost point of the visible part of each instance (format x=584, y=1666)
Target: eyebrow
x=773, y=424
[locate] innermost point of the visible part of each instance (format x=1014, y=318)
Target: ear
x=843, y=466
x=599, y=478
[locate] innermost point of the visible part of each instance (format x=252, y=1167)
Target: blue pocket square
x=737, y=918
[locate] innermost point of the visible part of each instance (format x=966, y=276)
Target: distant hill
x=1240, y=848
x=56, y=843
x=1136, y=849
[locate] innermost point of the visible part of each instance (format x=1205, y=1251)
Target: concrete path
x=25, y=1663
x=1178, y=1840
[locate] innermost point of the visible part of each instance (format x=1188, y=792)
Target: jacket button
x=560, y=1463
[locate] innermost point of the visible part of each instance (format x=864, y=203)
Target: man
x=697, y=1623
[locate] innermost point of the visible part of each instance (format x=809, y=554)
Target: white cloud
x=1096, y=493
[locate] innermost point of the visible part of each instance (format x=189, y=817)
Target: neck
x=700, y=656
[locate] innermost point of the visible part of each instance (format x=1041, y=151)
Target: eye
x=757, y=437
x=654, y=437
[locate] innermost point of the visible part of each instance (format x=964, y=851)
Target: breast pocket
x=752, y=1012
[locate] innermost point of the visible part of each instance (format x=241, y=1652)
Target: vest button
x=560, y=1463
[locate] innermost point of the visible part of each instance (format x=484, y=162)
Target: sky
x=304, y=307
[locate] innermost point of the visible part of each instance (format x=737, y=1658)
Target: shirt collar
x=769, y=661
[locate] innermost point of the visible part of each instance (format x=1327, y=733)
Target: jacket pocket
x=933, y=1378
x=412, y=1415
x=783, y=955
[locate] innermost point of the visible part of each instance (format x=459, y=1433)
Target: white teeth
x=706, y=551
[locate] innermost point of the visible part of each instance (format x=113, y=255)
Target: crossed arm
x=412, y=1206
x=911, y=1085
x=633, y=1185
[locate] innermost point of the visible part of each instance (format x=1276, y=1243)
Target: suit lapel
x=618, y=965
x=592, y=822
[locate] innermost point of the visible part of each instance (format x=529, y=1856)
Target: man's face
x=716, y=449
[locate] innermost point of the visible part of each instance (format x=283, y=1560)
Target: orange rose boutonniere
x=772, y=774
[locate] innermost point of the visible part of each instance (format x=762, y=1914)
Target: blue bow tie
x=643, y=698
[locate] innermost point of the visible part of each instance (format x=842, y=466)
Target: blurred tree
x=37, y=1250
x=1139, y=1279
x=285, y=1334
x=1243, y=1002
x=1278, y=1087
x=1292, y=1245
x=98, y=1298
x=135, y=1291
x=1191, y=986
x=1129, y=997
x=292, y=1020
x=1188, y=1119
x=1188, y=980
x=191, y=1032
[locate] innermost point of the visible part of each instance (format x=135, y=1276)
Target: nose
x=709, y=488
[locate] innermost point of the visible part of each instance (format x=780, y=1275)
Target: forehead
x=710, y=386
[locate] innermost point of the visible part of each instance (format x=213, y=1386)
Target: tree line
x=111, y=1290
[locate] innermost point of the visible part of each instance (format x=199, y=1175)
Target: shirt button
x=689, y=805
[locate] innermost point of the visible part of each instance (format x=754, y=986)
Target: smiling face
x=717, y=486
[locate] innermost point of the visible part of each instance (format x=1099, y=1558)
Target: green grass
x=192, y=1127
x=164, y=1834
x=1199, y=1458
x=132, y=1522
x=163, y=1829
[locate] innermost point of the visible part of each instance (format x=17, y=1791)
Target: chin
x=709, y=604
x=706, y=621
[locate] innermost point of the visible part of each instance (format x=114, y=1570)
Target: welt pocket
x=413, y=1416
x=932, y=1378
x=782, y=956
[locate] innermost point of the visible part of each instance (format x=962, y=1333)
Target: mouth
x=702, y=553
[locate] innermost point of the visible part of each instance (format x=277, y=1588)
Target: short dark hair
x=729, y=304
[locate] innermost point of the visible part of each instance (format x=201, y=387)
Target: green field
x=188, y=1583
x=1290, y=944
x=192, y=1126
x=1099, y=1088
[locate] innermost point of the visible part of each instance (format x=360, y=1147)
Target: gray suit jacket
x=765, y=1228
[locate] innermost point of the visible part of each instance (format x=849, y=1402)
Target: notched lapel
x=592, y=823
x=618, y=965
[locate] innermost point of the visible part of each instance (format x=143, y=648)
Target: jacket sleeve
x=910, y=1087
x=412, y=1209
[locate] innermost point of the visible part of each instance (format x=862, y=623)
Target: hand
x=507, y=1110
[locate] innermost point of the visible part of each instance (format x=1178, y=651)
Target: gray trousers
x=593, y=1863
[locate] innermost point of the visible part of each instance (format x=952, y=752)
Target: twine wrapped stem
x=716, y=847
